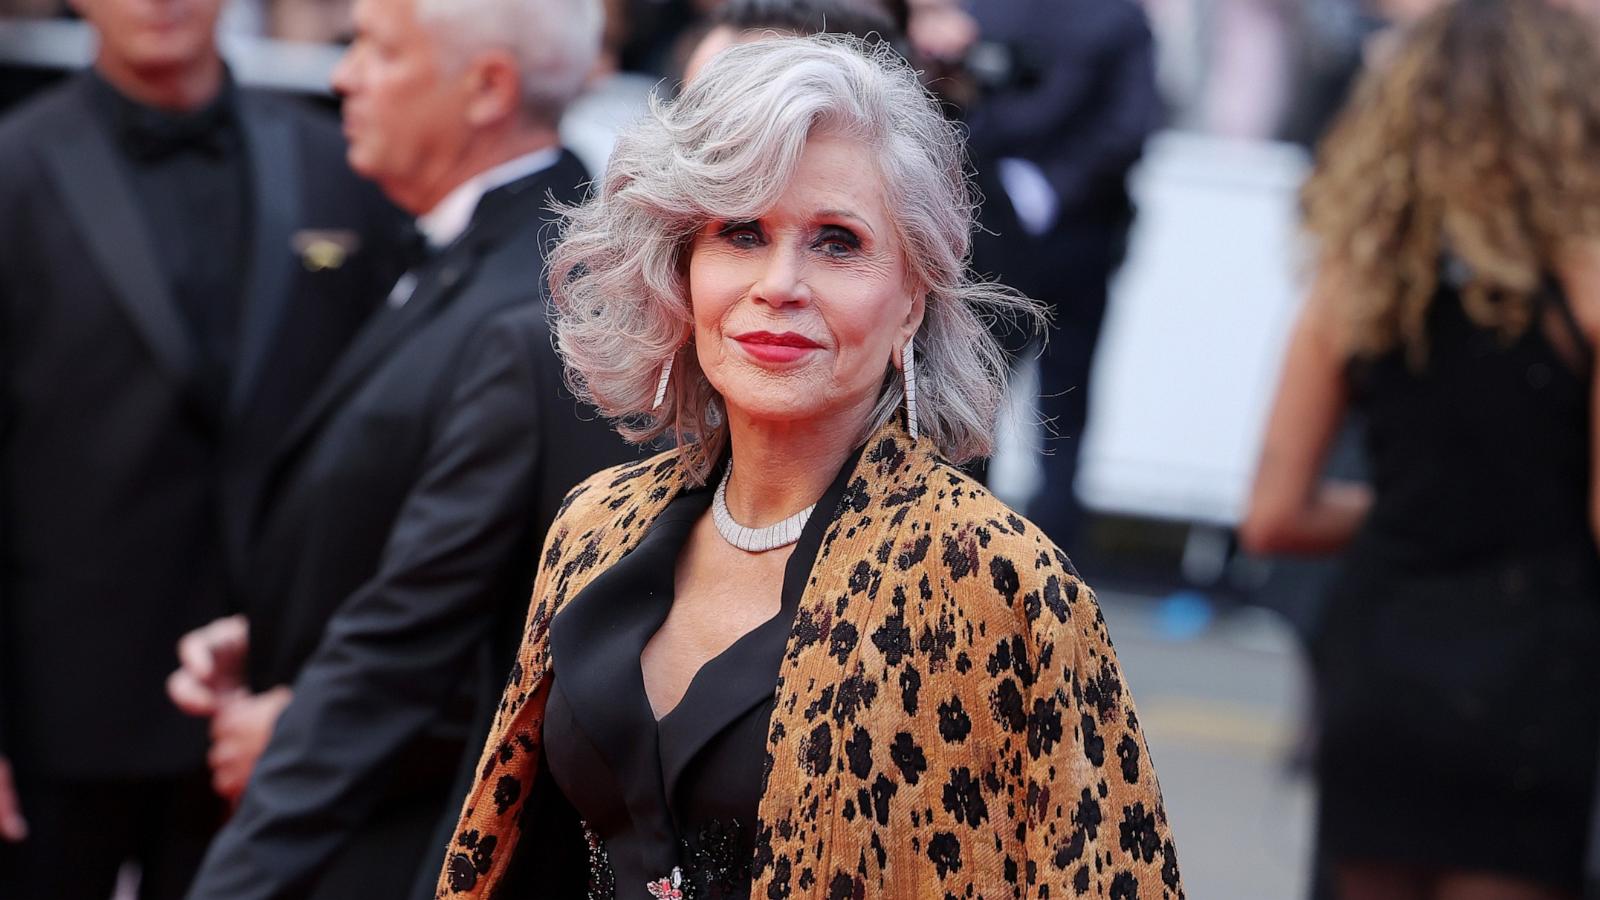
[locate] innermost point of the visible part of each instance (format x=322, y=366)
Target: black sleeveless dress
x=1459, y=663
x=680, y=793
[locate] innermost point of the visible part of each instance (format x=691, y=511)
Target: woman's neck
x=780, y=468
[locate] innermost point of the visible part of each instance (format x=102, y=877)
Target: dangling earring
x=908, y=364
x=661, y=385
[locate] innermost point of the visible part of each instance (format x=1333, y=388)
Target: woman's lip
x=785, y=339
x=773, y=353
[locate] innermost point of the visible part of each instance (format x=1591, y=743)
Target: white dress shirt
x=450, y=217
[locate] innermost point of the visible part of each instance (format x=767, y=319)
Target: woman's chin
x=767, y=412
x=759, y=393
x=797, y=409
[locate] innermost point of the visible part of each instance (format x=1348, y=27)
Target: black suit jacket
x=414, y=501
x=1085, y=119
x=117, y=487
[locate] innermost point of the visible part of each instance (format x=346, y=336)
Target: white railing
x=1194, y=335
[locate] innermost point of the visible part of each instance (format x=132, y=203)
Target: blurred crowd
x=1240, y=68
x=264, y=573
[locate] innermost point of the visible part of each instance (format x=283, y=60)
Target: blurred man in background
x=180, y=262
x=393, y=566
x=739, y=21
x=1060, y=96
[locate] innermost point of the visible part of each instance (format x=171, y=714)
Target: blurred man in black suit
x=394, y=558
x=1062, y=95
x=180, y=262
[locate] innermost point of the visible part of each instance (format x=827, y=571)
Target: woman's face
x=798, y=314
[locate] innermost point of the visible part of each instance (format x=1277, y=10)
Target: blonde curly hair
x=1479, y=138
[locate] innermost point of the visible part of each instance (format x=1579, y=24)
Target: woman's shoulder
x=958, y=505
x=992, y=557
x=603, y=513
x=603, y=495
x=1578, y=271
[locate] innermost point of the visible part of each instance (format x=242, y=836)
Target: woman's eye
x=837, y=242
x=740, y=234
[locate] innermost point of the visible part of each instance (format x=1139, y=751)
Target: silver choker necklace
x=755, y=540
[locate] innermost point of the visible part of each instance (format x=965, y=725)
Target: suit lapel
x=375, y=342
x=274, y=166
x=612, y=620
x=566, y=179
x=83, y=163
x=500, y=211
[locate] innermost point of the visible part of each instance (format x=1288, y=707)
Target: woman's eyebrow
x=846, y=214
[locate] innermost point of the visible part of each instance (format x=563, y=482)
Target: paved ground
x=1222, y=714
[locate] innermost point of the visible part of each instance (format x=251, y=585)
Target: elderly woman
x=801, y=655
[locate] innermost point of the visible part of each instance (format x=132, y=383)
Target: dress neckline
x=750, y=648
x=596, y=642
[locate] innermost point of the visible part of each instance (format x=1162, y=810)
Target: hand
x=211, y=666
x=239, y=733
x=13, y=827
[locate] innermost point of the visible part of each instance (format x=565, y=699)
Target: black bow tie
x=146, y=133
x=154, y=136
x=413, y=247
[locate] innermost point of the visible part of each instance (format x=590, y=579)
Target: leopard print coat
x=951, y=719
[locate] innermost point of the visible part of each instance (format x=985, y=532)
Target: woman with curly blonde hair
x=1455, y=209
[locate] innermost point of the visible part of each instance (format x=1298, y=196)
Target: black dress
x=682, y=792
x=1459, y=663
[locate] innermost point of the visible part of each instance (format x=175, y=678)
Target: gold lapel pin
x=322, y=251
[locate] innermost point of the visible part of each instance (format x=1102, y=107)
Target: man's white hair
x=555, y=42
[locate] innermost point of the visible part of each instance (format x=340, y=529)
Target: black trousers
x=1069, y=270
x=1064, y=402
x=81, y=832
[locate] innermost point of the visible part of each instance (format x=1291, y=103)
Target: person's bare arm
x=1594, y=443
x=13, y=827
x=1292, y=508
x=1579, y=272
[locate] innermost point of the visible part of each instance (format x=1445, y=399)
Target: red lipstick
x=776, y=348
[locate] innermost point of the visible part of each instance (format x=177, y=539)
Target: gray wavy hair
x=724, y=150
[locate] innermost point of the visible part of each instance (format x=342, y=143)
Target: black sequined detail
x=602, y=881
x=717, y=862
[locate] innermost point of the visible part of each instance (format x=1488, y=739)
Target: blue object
x=1184, y=615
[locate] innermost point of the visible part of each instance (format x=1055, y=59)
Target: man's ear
x=495, y=88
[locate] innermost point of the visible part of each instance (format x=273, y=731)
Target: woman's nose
x=782, y=279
